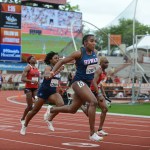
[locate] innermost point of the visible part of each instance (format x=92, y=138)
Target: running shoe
x=50, y=125
x=95, y=138
x=102, y=132
x=47, y=113
x=22, y=121
x=23, y=130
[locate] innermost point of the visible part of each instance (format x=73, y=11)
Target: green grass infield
x=133, y=109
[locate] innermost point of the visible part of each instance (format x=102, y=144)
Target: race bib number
x=54, y=83
x=80, y=84
x=90, y=69
x=35, y=79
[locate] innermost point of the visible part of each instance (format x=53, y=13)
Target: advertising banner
x=8, y=20
x=10, y=8
x=10, y=36
x=12, y=66
x=10, y=52
x=115, y=39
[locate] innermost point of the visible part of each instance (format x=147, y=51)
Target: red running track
x=71, y=130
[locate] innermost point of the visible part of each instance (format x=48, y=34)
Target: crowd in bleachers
x=12, y=81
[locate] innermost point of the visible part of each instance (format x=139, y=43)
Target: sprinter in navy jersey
x=46, y=91
x=86, y=63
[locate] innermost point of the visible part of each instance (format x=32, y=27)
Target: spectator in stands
x=109, y=80
x=125, y=58
x=10, y=80
x=112, y=70
x=1, y=80
x=30, y=76
x=117, y=80
x=135, y=79
x=123, y=81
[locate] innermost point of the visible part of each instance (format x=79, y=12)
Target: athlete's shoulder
x=27, y=68
x=77, y=54
x=98, y=69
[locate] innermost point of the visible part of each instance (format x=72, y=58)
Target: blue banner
x=12, y=66
x=9, y=20
x=10, y=52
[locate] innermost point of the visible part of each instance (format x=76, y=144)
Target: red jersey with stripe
x=102, y=78
x=33, y=74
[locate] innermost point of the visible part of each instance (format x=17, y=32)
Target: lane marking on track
x=77, y=144
x=10, y=99
x=2, y=127
x=35, y=144
x=115, y=114
x=85, y=140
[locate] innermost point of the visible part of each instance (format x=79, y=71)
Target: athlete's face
x=55, y=59
x=105, y=64
x=33, y=60
x=90, y=43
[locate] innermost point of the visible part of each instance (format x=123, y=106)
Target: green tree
x=125, y=29
x=68, y=7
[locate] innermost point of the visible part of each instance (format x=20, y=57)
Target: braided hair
x=49, y=56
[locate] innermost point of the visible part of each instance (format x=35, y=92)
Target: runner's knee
x=104, y=109
x=93, y=103
x=60, y=104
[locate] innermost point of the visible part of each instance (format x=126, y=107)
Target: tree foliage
x=125, y=29
x=68, y=7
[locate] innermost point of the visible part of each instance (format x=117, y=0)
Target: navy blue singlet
x=85, y=67
x=48, y=87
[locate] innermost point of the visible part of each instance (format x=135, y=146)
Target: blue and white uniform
x=85, y=67
x=48, y=87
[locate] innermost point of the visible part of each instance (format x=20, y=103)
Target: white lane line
x=3, y=127
x=115, y=114
x=12, y=100
x=123, y=144
x=79, y=139
x=28, y=143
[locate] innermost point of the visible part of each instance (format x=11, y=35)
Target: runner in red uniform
x=100, y=76
x=30, y=76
